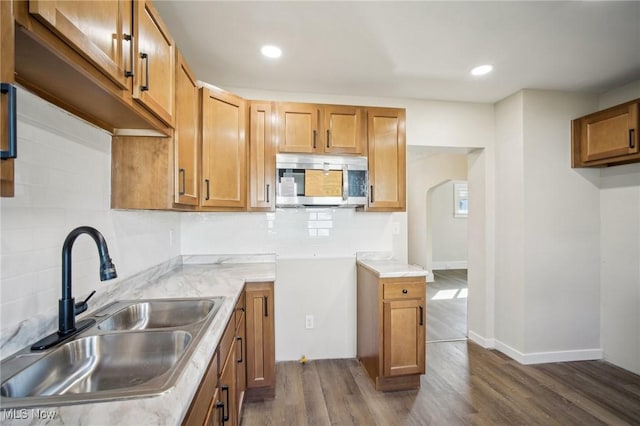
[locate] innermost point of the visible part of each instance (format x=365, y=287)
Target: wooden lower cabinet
x=241, y=354
x=391, y=317
x=227, y=389
x=203, y=407
x=261, y=358
x=224, y=387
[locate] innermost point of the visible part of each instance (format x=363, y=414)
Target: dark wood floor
x=447, y=305
x=464, y=384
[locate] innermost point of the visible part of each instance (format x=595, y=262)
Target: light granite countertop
x=191, y=276
x=385, y=266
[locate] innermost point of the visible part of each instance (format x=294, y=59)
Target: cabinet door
x=609, y=134
x=241, y=363
x=343, y=129
x=187, y=131
x=7, y=55
x=297, y=128
x=155, y=70
x=227, y=389
x=223, y=150
x=261, y=368
x=387, y=159
x=206, y=396
x=94, y=29
x=261, y=158
x=404, y=337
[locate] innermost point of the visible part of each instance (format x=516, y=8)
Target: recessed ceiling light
x=482, y=70
x=271, y=51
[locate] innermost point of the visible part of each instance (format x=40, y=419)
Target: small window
x=460, y=200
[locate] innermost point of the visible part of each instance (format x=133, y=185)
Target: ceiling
x=416, y=49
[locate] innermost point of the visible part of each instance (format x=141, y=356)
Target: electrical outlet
x=308, y=321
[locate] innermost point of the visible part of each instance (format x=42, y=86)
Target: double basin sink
x=136, y=349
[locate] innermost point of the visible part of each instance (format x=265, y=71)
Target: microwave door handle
x=345, y=182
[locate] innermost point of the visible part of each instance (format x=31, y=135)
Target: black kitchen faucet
x=67, y=308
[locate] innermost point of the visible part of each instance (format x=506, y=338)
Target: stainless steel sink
x=100, y=363
x=107, y=363
x=158, y=314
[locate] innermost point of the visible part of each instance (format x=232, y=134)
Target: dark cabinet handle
x=225, y=417
x=145, y=87
x=421, y=315
x=371, y=193
x=220, y=404
x=328, y=138
x=266, y=306
x=239, y=338
x=129, y=38
x=206, y=181
x=405, y=291
x=182, y=172
x=12, y=144
x=632, y=141
x=315, y=136
x=268, y=188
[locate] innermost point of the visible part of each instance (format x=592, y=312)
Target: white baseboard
x=487, y=343
x=448, y=264
x=545, y=357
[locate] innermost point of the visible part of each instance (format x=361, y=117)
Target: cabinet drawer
x=407, y=290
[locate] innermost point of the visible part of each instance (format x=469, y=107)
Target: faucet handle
x=80, y=307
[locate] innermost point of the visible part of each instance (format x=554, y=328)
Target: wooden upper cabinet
x=187, y=135
x=261, y=157
x=387, y=159
x=7, y=182
x=320, y=129
x=297, y=126
x=97, y=29
x=607, y=137
x=154, y=77
x=223, y=183
x=342, y=129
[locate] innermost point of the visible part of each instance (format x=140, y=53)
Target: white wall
x=561, y=231
x=620, y=252
x=427, y=171
x=324, y=288
x=509, y=223
x=63, y=181
x=449, y=232
x=481, y=301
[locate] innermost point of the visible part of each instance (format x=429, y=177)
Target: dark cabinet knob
x=405, y=291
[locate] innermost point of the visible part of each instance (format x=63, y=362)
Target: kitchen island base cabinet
x=391, y=329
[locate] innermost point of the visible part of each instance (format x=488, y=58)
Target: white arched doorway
x=428, y=167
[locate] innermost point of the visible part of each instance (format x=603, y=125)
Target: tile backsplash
x=62, y=176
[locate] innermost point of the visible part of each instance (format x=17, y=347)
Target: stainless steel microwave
x=321, y=180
